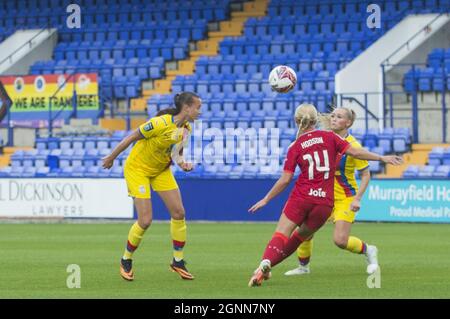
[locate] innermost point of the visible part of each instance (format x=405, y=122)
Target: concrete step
x=199, y=53
x=139, y=103
x=248, y=14
x=428, y=147
x=137, y=121
x=221, y=34
x=5, y=158
x=115, y=124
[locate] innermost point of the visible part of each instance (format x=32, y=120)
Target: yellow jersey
x=153, y=154
x=344, y=181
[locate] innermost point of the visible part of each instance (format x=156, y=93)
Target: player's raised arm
x=279, y=187
x=363, y=154
x=108, y=161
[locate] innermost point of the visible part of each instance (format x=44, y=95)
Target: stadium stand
x=128, y=42
x=434, y=77
x=125, y=43
x=437, y=165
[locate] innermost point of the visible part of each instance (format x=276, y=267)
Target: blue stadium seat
x=40, y=159
x=42, y=171
x=425, y=78
x=399, y=145
x=436, y=156
x=411, y=171
x=442, y=171
x=375, y=167
x=17, y=158
x=403, y=133
x=16, y=171
x=41, y=143
x=446, y=158
x=426, y=171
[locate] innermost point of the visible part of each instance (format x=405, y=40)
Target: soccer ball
x=282, y=79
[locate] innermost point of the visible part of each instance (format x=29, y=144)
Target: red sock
x=275, y=249
x=294, y=242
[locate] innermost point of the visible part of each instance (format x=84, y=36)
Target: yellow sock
x=356, y=245
x=134, y=238
x=304, y=252
x=178, y=233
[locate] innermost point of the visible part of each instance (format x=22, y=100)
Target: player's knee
x=145, y=222
x=341, y=241
x=178, y=213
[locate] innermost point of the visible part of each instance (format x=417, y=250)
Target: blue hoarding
x=384, y=200
x=406, y=201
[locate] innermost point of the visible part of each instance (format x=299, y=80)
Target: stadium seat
x=411, y=171
x=442, y=171
x=426, y=171
x=436, y=156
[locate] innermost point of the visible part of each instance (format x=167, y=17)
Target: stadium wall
x=212, y=199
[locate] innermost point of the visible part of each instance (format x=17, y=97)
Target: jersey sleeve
x=152, y=127
x=341, y=144
x=360, y=165
x=290, y=163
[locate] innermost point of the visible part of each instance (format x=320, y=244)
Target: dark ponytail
x=179, y=100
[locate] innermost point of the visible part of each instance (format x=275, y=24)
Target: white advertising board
x=70, y=197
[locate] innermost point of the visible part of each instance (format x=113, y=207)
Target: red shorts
x=312, y=215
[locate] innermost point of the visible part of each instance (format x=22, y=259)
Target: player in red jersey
x=311, y=201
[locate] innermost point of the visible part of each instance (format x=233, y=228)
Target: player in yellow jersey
x=347, y=199
x=158, y=142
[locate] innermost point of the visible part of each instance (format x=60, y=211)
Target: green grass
x=415, y=261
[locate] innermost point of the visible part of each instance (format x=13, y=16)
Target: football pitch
x=414, y=259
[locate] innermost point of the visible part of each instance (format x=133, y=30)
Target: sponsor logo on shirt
x=317, y=193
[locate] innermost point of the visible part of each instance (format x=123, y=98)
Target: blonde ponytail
x=351, y=115
x=306, y=116
x=325, y=121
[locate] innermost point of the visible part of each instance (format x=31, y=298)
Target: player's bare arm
x=178, y=157
x=365, y=179
x=108, y=161
x=279, y=187
x=362, y=154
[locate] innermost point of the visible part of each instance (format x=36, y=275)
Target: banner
x=406, y=201
x=33, y=93
x=70, y=197
x=5, y=102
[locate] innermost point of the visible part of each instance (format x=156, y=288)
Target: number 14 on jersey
x=315, y=164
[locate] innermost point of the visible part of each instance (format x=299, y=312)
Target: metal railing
x=407, y=42
x=28, y=42
x=74, y=103
x=413, y=95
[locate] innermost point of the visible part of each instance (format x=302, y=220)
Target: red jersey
x=315, y=152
